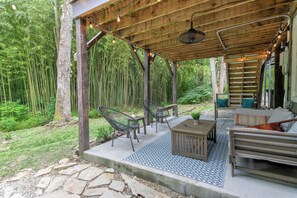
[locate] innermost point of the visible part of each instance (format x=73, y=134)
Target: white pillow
x=293, y=128
x=280, y=114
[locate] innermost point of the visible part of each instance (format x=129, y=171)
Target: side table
x=140, y=118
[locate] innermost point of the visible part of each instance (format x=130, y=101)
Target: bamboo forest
x=29, y=38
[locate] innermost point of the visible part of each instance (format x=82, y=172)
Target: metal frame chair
x=157, y=111
x=120, y=122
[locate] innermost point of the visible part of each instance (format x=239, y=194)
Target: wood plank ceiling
x=156, y=25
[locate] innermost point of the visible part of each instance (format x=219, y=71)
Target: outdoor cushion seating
x=234, y=101
x=157, y=111
x=120, y=122
x=269, y=145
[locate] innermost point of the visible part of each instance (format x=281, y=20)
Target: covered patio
x=247, y=33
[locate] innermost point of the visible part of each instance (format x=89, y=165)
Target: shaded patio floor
x=242, y=185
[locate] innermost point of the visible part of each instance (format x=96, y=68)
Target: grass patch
x=41, y=146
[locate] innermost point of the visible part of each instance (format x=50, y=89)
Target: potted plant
x=196, y=116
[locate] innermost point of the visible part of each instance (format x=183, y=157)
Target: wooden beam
x=169, y=67
x=95, y=39
x=174, y=83
x=208, y=20
x=134, y=52
x=146, y=84
x=82, y=85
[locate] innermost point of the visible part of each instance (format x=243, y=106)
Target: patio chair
x=120, y=122
x=157, y=111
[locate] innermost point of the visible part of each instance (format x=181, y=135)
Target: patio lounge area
x=152, y=160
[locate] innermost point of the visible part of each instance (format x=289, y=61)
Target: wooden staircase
x=243, y=75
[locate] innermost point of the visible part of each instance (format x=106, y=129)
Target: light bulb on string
x=279, y=36
x=113, y=41
x=135, y=50
x=119, y=17
x=13, y=6
x=91, y=25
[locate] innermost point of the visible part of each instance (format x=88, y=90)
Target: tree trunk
x=63, y=105
x=213, y=77
x=222, y=75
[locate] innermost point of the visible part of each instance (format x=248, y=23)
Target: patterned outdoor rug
x=158, y=155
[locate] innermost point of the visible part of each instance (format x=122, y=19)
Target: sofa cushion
x=248, y=117
x=248, y=103
x=280, y=114
x=292, y=106
x=222, y=102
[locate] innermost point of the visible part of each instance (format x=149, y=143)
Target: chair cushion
x=222, y=102
x=280, y=114
x=248, y=103
x=292, y=106
x=293, y=128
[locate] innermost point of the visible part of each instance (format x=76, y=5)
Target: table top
x=188, y=126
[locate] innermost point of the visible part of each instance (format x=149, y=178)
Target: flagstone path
x=75, y=179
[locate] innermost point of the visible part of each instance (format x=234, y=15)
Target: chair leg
x=156, y=126
x=131, y=142
x=112, y=138
x=168, y=123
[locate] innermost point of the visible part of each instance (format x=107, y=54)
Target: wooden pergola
x=232, y=27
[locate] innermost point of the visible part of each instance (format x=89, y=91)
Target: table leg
x=215, y=133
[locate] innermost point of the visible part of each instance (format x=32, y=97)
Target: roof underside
x=154, y=25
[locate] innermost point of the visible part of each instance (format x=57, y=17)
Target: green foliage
x=103, y=132
x=94, y=113
x=14, y=110
x=8, y=124
x=196, y=115
x=51, y=108
x=197, y=95
x=7, y=136
x=33, y=121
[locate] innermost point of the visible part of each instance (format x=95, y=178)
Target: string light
x=135, y=50
x=241, y=58
x=113, y=41
x=13, y=7
x=268, y=52
x=119, y=17
x=274, y=45
x=159, y=0
x=91, y=25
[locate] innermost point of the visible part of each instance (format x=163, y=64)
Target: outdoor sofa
x=275, y=146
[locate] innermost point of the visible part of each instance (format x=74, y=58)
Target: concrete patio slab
x=242, y=185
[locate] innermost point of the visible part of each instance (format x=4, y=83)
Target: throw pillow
x=293, y=128
x=248, y=103
x=222, y=102
x=292, y=106
x=280, y=114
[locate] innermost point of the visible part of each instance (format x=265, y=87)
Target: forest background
x=28, y=72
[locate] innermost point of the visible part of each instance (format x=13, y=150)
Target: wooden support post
x=260, y=87
x=278, y=81
x=174, y=91
x=82, y=85
x=146, y=84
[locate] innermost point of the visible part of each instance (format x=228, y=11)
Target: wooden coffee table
x=190, y=140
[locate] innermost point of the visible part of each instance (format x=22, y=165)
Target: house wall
x=293, y=73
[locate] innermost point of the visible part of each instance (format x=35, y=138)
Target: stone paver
x=19, y=176
x=94, y=191
x=59, y=194
x=100, y=181
x=44, y=171
x=8, y=191
x=109, y=170
x=109, y=175
x=90, y=173
x=64, y=166
x=141, y=189
x=74, y=185
x=74, y=169
x=112, y=194
x=43, y=182
x=117, y=185
x=64, y=161
x=56, y=183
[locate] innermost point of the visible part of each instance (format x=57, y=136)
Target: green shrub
x=51, y=108
x=94, y=113
x=33, y=121
x=104, y=132
x=7, y=136
x=197, y=95
x=8, y=124
x=13, y=110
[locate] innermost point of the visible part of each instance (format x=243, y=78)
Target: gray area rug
x=158, y=155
